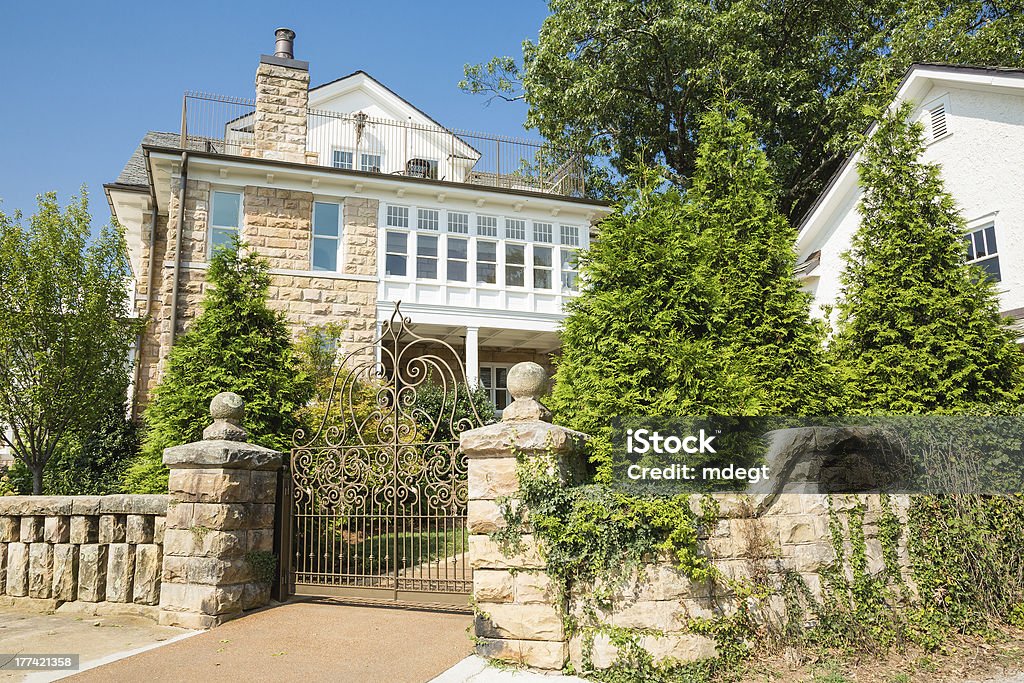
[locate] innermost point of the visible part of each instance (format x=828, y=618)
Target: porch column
x=473, y=356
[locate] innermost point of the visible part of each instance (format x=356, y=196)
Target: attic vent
x=938, y=121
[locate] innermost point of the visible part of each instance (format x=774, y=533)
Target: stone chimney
x=282, y=101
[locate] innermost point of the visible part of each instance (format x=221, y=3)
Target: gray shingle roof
x=134, y=172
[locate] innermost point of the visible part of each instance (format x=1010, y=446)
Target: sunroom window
x=426, y=257
x=486, y=262
x=397, y=253
x=458, y=259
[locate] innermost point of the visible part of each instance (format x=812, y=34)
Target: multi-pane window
x=542, y=267
x=426, y=219
x=487, y=226
x=515, y=229
x=515, y=265
x=458, y=222
x=495, y=380
x=422, y=168
x=398, y=216
x=396, y=253
x=570, y=272
x=426, y=257
x=458, y=259
x=486, y=262
x=570, y=235
x=342, y=159
x=225, y=218
x=542, y=232
x=326, y=235
x=369, y=162
x=982, y=250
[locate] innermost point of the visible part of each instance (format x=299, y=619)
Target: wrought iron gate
x=378, y=491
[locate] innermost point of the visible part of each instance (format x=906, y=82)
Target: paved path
x=306, y=641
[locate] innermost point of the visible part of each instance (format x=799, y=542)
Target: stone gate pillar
x=519, y=612
x=218, y=544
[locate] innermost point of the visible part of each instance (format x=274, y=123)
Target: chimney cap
x=285, y=45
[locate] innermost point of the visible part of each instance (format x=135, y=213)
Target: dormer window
x=369, y=162
x=343, y=159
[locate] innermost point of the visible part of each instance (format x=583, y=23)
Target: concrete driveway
x=306, y=641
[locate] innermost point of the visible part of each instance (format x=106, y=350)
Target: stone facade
x=220, y=523
x=82, y=554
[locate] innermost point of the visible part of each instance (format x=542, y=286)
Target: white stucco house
x=973, y=119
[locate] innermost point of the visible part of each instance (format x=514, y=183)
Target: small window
x=426, y=257
x=570, y=235
x=542, y=267
x=515, y=265
x=458, y=259
x=542, y=232
x=570, y=272
x=326, y=236
x=487, y=226
x=426, y=219
x=369, y=162
x=398, y=216
x=421, y=168
x=983, y=252
x=342, y=159
x=515, y=229
x=495, y=381
x=937, y=121
x=486, y=262
x=458, y=222
x=225, y=218
x=397, y=253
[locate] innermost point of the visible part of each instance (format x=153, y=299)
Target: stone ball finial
x=527, y=382
x=227, y=410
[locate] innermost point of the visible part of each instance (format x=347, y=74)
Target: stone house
x=358, y=200
x=973, y=119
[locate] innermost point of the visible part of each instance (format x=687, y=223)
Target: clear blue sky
x=82, y=82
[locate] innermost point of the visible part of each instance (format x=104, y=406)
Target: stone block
x=203, y=542
x=260, y=540
x=10, y=528
x=812, y=557
x=264, y=487
x=255, y=594
x=535, y=586
x=484, y=517
x=159, y=524
x=210, y=486
x=209, y=571
x=92, y=572
x=493, y=585
x=662, y=615
x=220, y=456
x=148, y=569
x=803, y=529
x=84, y=529
x=56, y=529
x=518, y=622
x=485, y=553
x=491, y=478
x=210, y=600
x=65, y=572
x=538, y=654
x=112, y=529
x=17, y=569
x=120, y=572
x=189, y=620
x=31, y=529
x=40, y=571
x=3, y=568
x=139, y=529
x=222, y=516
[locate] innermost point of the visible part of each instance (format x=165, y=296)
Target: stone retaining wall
x=93, y=554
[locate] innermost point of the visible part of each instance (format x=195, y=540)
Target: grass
x=414, y=548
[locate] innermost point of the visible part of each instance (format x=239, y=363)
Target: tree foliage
x=236, y=344
x=65, y=329
x=918, y=329
x=624, y=78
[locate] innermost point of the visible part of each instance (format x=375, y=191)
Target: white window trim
x=341, y=233
x=241, y=215
x=493, y=389
x=350, y=150
x=380, y=159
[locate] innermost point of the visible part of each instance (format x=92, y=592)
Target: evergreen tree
x=236, y=344
x=918, y=329
x=641, y=339
x=765, y=317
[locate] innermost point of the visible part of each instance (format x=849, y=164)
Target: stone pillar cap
x=527, y=382
x=227, y=410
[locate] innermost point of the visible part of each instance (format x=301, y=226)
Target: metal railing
x=226, y=125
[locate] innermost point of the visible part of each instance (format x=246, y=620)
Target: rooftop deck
x=224, y=125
